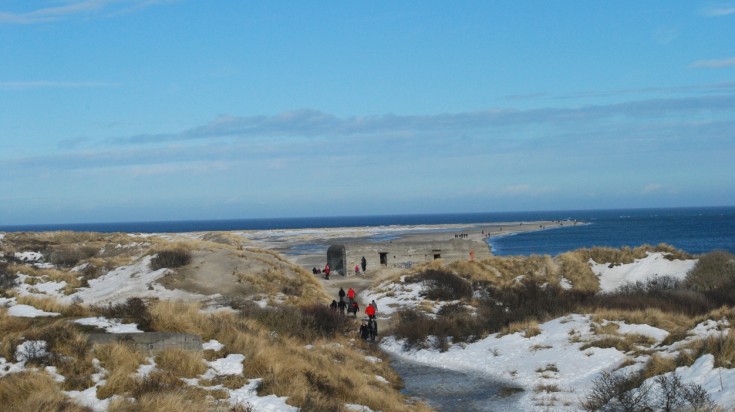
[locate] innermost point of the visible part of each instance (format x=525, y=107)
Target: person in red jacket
x=351, y=294
x=326, y=271
x=370, y=311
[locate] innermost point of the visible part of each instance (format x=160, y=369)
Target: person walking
x=370, y=311
x=333, y=305
x=326, y=271
x=363, y=262
x=351, y=295
x=342, y=306
x=341, y=293
x=357, y=270
x=354, y=308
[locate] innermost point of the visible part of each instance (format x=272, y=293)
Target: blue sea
x=695, y=230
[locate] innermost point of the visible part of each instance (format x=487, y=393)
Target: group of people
x=369, y=327
x=327, y=270
x=320, y=271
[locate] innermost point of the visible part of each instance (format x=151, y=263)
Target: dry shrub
x=134, y=310
x=712, y=271
x=442, y=285
x=8, y=277
x=181, y=363
x=33, y=391
x=70, y=255
x=171, y=258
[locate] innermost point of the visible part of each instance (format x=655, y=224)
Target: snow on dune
x=652, y=266
x=135, y=280
x=26, y=311
x=109, y=325
x=550, y=358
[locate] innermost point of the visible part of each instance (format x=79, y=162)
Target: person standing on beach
x=357, y=270
x=326, y=271
x=363, y=263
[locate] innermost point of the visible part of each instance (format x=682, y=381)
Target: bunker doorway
x=384, y=258
x=437, y=254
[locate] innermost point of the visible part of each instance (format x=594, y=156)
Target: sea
x=695, y=230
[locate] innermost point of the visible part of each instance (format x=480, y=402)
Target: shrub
x=8, y=278
x=442, y=285
x=307, y=323
x=134, y=310
x=713, y=270
x=617, y=392
x=673, y=395
x=69, y=256
x=171, y=258
x=632, y=298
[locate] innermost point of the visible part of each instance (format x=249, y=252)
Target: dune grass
x=33, y=391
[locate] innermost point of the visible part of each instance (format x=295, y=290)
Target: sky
x=148, y=110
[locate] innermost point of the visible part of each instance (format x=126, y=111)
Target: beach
x=308, y=247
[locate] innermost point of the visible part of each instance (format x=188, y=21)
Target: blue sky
x=136, y=110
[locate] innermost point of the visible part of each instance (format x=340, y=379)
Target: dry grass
x=670, y=322
x=322, y=378
x=181, y=363
x=53, y=305
x=529, y=329
x=33, y=391
x=578, y=272
x=121, y=363
x=181, y=317
x=659, y=365
x=174, y=401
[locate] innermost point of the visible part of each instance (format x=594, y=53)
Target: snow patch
x=652, y=266
x=26, y=311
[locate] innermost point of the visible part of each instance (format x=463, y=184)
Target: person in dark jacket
x=363, y=262
x=341, y=293
x=333, y=305
x=354, y=308
x=364, y=331
x=342, y=306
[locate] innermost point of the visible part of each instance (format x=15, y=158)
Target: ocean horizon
x=692, y=229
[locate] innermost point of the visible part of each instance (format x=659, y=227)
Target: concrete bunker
x=336, y=258
x=343, y=258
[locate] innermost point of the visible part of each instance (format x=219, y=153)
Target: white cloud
x=652, y=187
x=526, y=190
x=51, y=84
x=719, y=11
x=714, y=64
x=75, y=8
